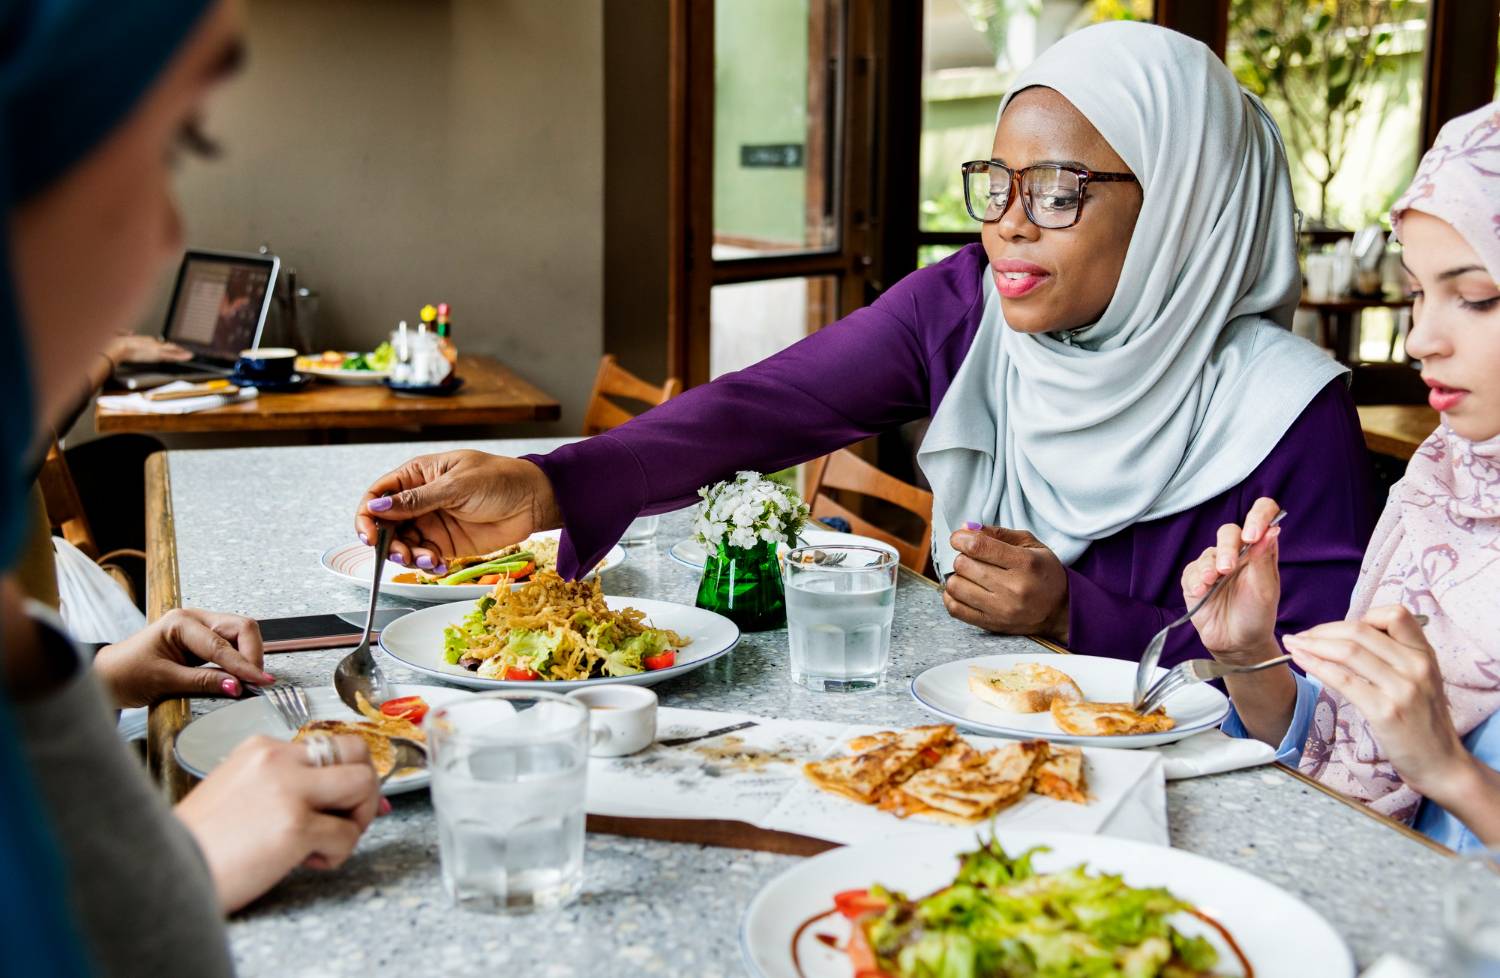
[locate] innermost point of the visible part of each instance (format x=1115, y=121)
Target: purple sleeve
x=1123, y=590
x=868, y=372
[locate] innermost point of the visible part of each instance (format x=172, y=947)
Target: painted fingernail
x=379, y=504
x=971, y=525
x=385, y=806
x=266, y=677
x=424, y=562
x=230, y=686
x=364, y=539
x=397, y=559
x=440, y=569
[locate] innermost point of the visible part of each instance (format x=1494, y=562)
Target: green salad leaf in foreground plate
x=1000, y=917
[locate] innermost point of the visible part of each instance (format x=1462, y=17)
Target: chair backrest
x=64, y=505
x=847, y=471
x=614, y=380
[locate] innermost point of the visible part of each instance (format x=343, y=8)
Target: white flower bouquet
x=747, y=510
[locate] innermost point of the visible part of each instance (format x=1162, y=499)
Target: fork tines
x=291, y=703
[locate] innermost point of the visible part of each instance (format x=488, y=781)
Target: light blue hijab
x=1190, y=378
x=70, y=71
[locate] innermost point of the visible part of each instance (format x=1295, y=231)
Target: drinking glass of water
x=839, y=605
x=1471, y=916
x=641, y=530
x=508, y=773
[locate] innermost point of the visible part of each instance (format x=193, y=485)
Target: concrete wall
x=407, y=151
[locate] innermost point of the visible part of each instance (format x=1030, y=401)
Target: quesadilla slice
x=1108, y=719
x=865, y=776
x=969, y=791
x=1060, y=775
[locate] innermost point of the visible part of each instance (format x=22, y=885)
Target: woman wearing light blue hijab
x=96, y=97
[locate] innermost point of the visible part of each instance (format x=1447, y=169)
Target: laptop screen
x=220, y=302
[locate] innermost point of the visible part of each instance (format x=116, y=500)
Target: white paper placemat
x=755, y=776
x=1111, y=776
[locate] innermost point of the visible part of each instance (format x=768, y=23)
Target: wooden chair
x=847, y=471
x=65, y=512
x=614, y=380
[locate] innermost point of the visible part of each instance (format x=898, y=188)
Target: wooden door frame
x=693, y=271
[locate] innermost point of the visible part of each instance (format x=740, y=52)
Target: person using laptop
x=219, y=306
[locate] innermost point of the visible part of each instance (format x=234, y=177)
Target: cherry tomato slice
x=412, y=708
x=665, y=660
x=521, y=675
x=857, y=903
x=861, y=955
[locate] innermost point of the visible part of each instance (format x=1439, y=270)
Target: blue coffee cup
x=267, y=365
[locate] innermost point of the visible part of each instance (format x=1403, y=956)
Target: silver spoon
x=358, y=671
x=409, y=754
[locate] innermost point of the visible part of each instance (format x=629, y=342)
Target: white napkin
x=137, y=402
x=1213, y=752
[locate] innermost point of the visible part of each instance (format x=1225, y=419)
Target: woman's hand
x=1239, y=624
x=267, y=810
x=1007, y=581
x=162, y=659
x=134, y=348
x=455, y=504
x=1384, y=666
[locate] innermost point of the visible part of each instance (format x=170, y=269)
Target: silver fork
x=290, y=703
x=1195, y=671
x=1152, y=655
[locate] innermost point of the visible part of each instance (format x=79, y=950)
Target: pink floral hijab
x=1436, y=549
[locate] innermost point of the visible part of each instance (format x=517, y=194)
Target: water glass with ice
x=839, y=605
x=508, y=776
x=1471, y=917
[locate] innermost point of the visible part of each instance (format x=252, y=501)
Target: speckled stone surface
x=251, y=524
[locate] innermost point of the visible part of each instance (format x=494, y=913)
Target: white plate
x=1279, y=934
x=944, y=690
x=204, y=743
x=353, y=562
x=338, y=375
x=416, y=641
x=690, y=552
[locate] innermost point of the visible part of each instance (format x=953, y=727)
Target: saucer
x=295, y=382
x=444, y=389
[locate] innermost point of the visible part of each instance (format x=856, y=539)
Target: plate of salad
x=345, y=367
x=556, y=634
x=1030, y=903
x=472, y=576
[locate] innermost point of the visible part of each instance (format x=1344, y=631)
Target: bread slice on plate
x=1026, y=688
x=1060, y=776
x=1108, y=719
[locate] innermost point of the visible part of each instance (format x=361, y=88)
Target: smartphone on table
x=302, y=632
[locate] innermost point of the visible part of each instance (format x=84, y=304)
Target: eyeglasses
x=1051, y=194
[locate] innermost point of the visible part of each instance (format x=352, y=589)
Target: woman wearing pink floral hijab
x=1393, y=712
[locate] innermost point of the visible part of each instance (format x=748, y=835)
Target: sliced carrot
x=489, y=579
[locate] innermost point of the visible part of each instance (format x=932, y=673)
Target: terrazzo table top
x=251, y=525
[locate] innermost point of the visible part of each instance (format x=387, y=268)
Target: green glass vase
x=744, y=585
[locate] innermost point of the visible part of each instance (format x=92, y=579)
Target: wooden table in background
x=1396, y=429
x=491, y=394
x=1337, y=319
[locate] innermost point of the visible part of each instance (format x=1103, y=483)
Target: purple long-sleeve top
x=891, y=362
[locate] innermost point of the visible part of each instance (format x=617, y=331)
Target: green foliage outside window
x=1319, y=61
